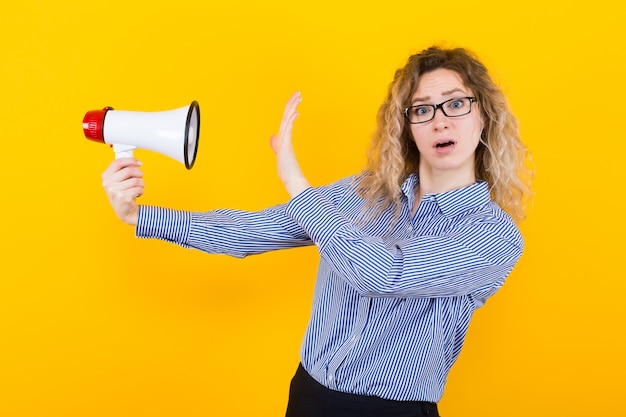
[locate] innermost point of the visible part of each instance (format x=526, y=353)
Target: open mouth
x=445, y=144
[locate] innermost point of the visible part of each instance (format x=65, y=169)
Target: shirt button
x=432, y=199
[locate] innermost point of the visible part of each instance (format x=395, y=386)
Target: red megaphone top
x=93, y=124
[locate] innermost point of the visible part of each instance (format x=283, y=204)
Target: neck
x=442, y=181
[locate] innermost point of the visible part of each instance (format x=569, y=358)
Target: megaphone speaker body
x=174, y=133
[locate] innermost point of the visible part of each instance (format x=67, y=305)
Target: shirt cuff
x=165, y=224
x=316, y=215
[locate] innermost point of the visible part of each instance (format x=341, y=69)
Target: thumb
x=273, y=144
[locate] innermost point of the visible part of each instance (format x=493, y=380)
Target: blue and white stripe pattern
x=392, y=304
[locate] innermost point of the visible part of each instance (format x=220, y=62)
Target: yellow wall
x=94, y=322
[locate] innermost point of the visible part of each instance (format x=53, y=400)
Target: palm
x=286, y=163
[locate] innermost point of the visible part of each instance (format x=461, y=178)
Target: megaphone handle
x=123, y=151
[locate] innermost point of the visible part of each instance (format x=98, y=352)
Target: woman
x=409, y=248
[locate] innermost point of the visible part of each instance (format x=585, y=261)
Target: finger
x=123, y=179
x=286, y=134
x=132, y=193
x=129, y=184
x=123, y=168
x=124, y=185
x=119, y=164
x=287, y=123
x=119, y=194
x=124, y=193
x=292, y=103
x=290, y=109
x=128, y=172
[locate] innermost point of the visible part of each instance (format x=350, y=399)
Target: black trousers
x=309, y=398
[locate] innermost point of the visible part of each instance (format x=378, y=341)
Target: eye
x=457, y=104
x=422, y=110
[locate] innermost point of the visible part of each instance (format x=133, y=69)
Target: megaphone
x=174, y=133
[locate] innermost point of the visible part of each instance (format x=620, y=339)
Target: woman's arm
x=468, y=257
x=230, y=232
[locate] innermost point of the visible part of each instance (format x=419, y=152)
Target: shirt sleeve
x=231, y=232
x=473, y=256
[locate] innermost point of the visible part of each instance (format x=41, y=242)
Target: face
x=446, y=144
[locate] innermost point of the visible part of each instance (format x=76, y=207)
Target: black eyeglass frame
x=438, y=106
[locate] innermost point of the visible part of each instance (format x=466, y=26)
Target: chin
x=462, y=168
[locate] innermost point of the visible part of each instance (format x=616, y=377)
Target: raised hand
x=123, y=183
x=287, y=165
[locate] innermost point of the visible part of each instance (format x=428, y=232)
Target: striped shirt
x=392, y=301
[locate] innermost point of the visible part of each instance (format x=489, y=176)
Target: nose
x=440, y=121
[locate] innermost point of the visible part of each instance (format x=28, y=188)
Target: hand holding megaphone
x=174, y=133
x=123, y=183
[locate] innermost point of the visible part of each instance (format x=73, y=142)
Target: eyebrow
x=445, y=93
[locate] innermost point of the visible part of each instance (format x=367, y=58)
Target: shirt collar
x=408, y=187
x=452, y=203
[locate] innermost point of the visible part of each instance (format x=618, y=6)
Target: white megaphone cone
x=174, y=133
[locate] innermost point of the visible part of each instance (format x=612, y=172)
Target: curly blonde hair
x=502, y=160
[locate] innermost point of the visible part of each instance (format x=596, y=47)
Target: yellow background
x=94, y=322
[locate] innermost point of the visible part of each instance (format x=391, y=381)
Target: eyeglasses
x=454, y=107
